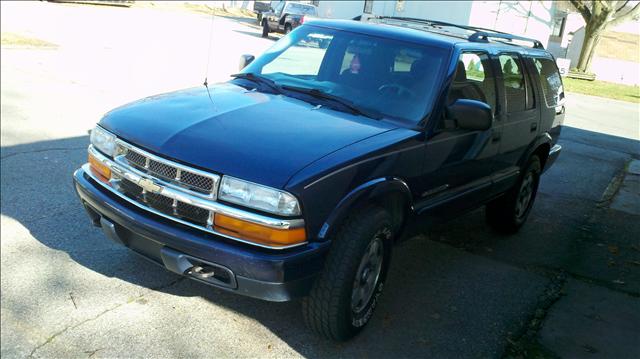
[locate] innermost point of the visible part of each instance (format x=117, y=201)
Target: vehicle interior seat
x=463, y=88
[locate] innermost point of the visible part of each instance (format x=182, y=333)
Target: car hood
x=259, y=137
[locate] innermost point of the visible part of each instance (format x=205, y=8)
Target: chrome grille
x=192, y=213
x=191, y=179
x=159, y=202
x=161, y=170
x=131, y=189
x=196, y=182
x=136, y=159
x=166, y=205
x=171, y=201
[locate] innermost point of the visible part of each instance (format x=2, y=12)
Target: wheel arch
x=540, y=147
x=391, y=193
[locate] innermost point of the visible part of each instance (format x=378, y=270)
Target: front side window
x=550, y=81
x=389, y=77
x=473, y=80
x=518, y=91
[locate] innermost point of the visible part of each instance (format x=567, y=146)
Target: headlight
x=258, y=197
x=103, y=141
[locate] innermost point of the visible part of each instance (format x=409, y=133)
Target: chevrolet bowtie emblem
x=149, y=186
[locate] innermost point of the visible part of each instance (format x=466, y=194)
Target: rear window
x=550, y=81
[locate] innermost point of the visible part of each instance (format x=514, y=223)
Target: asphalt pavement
x=568, y=284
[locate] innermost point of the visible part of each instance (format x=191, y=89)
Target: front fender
x=378, y=188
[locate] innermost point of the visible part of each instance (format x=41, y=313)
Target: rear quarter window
x=550, y=81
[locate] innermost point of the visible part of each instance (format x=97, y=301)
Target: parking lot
x=567, y=284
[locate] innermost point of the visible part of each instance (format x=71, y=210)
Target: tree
x=598, y=16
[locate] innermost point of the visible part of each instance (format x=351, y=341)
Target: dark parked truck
x=296, y=177
x=286, y=16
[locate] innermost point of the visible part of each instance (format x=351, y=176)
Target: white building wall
x=526, y=18
x=456, y=12
x=449, y=11
x=340, y=9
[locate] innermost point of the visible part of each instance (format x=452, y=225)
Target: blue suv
x=296, y=177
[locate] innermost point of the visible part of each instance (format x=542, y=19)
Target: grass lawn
x=603, y=89
x=11, y=39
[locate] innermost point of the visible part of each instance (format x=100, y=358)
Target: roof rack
x=483, y=36
x=480, y=34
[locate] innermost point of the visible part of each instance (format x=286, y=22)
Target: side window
x=303, y=58
x=550, y=81
x=518, y=91
x=473, y=80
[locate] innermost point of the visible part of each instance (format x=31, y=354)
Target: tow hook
x=201, y=272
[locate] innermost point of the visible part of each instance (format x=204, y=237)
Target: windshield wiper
x=259, y=80
x=345, y=103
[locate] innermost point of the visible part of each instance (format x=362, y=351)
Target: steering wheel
x=397, y=89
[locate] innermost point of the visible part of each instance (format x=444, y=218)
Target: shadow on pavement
x=439, y=300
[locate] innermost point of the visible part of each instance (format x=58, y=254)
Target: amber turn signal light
x=99, y=169
x=258, y=233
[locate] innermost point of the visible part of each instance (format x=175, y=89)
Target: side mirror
x=470, y=114
x=245, y=60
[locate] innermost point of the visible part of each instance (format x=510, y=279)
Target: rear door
x=519, y=118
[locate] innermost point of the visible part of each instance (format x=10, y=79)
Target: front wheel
x=287, y=29
x=346, y=293
x=509, y=212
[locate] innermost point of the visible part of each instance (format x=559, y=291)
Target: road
x=457, y=290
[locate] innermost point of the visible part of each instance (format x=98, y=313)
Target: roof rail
x=484, y=36
x=480, y=34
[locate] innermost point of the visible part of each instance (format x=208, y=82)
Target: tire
x=509, y=212
x=265, y=29
x=287, y=29
x=333, y=308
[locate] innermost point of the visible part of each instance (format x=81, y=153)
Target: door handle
x=534, y=126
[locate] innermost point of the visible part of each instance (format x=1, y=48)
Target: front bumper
x=244, y=269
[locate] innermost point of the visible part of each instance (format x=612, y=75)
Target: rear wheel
x=509, y=212
x=265, y=28
x=346, y=293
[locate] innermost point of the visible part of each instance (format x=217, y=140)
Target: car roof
x=434, y=38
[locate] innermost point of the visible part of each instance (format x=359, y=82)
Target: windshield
x=393, y=78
